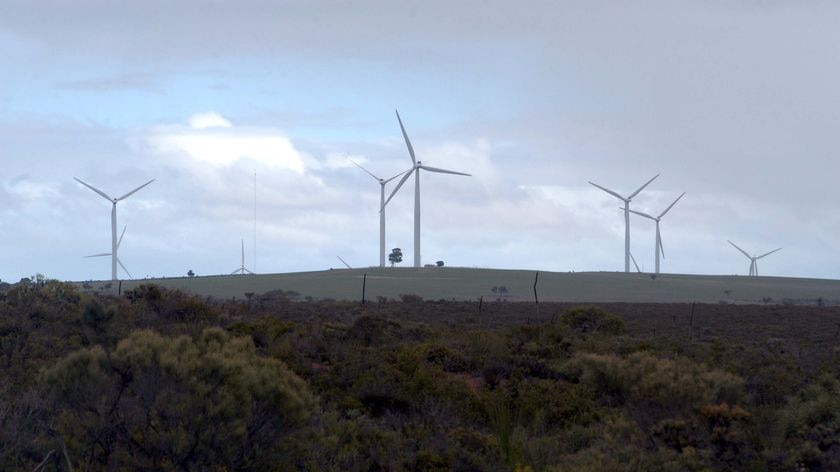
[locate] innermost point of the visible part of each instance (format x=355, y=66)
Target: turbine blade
x=640, y=213
x=394, y=177
x=135, y=190
x=123, y=268
x=442, y=171
x=248, y=271
x=671, y=205
x=236, y=271
x=402, y=181
x=344, y=262
x=119, y=241
x=642, y=187
x=407, y=141
x=100, y=192
x=634, y=263
x=736, y=247
x=659, y=238
x=368, y=172
x=767, y=254
x=99, y=255
x=608, y=191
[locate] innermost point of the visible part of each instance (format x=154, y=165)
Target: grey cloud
x=127, y=81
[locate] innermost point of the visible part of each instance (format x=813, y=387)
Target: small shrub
x=592, y=319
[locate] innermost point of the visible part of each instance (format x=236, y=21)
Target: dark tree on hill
x=395, y=257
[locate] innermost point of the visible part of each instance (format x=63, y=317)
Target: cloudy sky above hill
x=734, y=102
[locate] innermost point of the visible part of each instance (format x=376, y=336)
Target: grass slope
x=470, y=284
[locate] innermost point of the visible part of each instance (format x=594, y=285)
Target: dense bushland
x=159, y=379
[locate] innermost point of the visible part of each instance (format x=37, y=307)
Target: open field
x=469, y=284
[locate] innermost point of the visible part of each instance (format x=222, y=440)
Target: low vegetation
x=161, y=380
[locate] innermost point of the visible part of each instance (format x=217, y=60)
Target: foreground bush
x=159, y=402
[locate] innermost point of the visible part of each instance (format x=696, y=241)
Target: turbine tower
x=114, y=242
x=382, y=183
x=753, y=259
x=416, y=167
x=657, y=249
x=626, y=201
x=242, y=270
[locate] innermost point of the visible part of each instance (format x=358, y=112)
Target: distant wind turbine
x=242, y=270
x=114, y=242
x=753, y=259
x=382, y=202
x=657, y=249
x=626, y=201
x=417, y=166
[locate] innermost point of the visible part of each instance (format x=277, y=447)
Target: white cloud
x=213, y=140
x=209, y=120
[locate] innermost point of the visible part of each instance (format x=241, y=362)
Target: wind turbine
x=417, y=166
x=119, y=241
x=753, y=259
x=242, y=270
x=626, y=201
x=114, y=242
x=382, y=202
x=657, y=249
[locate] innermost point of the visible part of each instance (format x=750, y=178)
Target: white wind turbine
x=753, y=259
x=242, y=270
x=626, y=201
x=114, y=242
x=382, y=202
x=417, y=166
x=657, y=249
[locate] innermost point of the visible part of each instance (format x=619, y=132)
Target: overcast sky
x=736, y=103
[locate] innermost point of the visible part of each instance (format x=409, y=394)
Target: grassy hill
x=470, y=284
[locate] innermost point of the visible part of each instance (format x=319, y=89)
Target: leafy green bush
x=166, y=402
x=659, y=388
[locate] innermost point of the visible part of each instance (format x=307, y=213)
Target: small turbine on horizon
x=382, y=202
x=242, y=270
x=626, y=208
x=417, y=166
x=114, y=242
x=753, y=259
x=657, y=249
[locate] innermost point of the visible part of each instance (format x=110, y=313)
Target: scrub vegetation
x=158, y=379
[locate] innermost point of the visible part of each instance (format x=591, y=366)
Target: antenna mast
x=255, y=223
